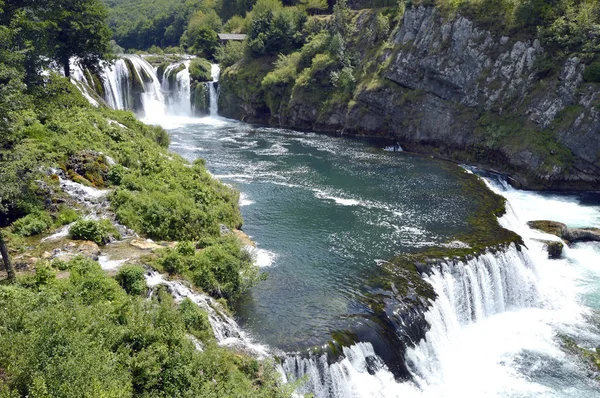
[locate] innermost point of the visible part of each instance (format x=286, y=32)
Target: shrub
x=99, y=232
x=186, y=248
x=66, y=216
x=230, y=53
x=200, y=70
x=171, y=261
x=32, y=224
x=131, y=278
x=195, y=319
x=592, y=72
x=274, y=28
x=43, y=273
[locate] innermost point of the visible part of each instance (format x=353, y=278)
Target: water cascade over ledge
x=153, y=93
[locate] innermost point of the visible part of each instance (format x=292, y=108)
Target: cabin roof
x=231, y=36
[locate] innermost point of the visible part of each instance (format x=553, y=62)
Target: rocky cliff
x=447, y=87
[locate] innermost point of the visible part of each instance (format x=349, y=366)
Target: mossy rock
x=554, y=249
x=200, y=99
x=172, y=75
x=89, y=165
x=549, y=227
x=161, y=71
x=200, y=70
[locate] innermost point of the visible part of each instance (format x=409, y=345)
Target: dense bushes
x=32, y=224
x=222, y=268
x=84, y=336
x=101, y=232
x=229, y=54
x=200, y=70
x=274, y=28
x=592, y=72
x=131, y=278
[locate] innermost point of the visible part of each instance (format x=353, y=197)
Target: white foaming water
x=494, y=324
x=110, y=265
x=178, y=89
x=244, y=201
x=226, y=330
x=261, y=257
x=338, y=200
x=215, y=71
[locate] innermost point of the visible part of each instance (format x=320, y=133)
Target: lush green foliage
x=99, y=232
x=84, y=336
x=221, y=268
x=230, y=53
x=142, y=23
x=33, y=224
x=592, y=72
x=274, y=28
x=200, y=70
x=131, y=278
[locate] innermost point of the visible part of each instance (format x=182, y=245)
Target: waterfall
x=214, y=90
x=468, y=292
x=176, y=83
x=493, y=326
x=131, y=83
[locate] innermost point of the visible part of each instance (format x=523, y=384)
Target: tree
x=76, y=28
x=10, y=269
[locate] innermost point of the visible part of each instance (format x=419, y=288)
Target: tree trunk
x=67, y=67
x=10, y=270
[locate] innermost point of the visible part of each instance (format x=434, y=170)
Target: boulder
x=566, y=233
x=554, y=248
x=582, y=234
x=549, y=227
x=145, y=244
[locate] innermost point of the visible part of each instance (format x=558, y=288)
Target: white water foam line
x=244, y=200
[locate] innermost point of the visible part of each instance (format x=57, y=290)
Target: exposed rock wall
x=448, y=88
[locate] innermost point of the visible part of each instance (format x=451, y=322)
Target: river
x=324, y=210
x=325, y=213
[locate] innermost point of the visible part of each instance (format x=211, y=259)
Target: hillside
x=456, y=84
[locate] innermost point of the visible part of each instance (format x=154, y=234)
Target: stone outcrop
x=451, y=89
x=566, y=233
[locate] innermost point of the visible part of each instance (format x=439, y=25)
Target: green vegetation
x=100, y=232
x=84, y=336
x=69, y=330
x=221, y=268
x=32, y=224
x=592, y=72
x=200, y=70
x=131, y=278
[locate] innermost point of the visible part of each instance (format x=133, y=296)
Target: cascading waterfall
x=132, y=83
x=468, y=293
x=492, y=330
x=176, y=84
x=213, y=88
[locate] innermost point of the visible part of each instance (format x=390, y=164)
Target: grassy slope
x=82, y=335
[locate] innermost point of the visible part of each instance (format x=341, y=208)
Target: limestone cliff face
x=450, y=89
